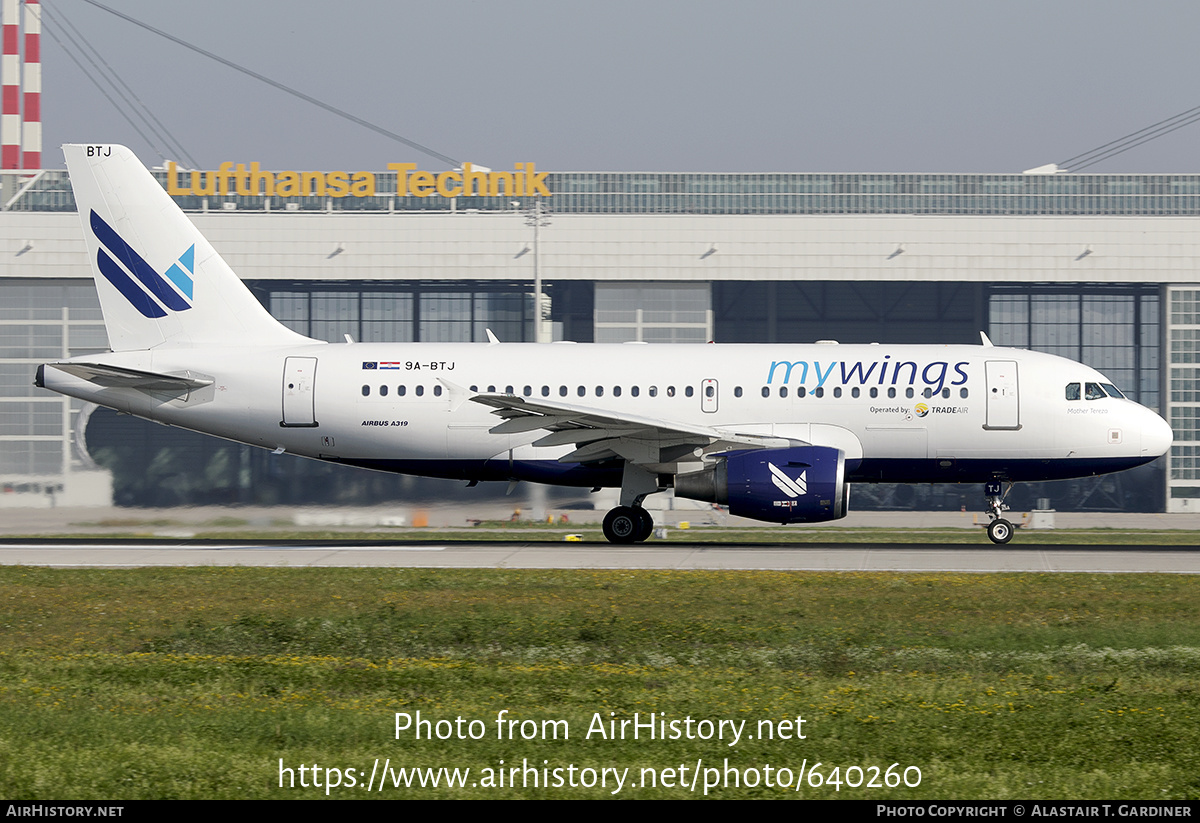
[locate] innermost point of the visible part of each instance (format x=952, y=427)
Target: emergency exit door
x=299, y=401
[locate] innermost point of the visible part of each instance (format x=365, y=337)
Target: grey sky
x=647, y=84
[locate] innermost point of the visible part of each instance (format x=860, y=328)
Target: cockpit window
x=1112, y=390
x=1093, y=391
x=1072, y=391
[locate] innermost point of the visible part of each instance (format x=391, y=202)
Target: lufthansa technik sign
x=523, y=181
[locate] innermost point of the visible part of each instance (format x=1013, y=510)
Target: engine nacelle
x=803, y=484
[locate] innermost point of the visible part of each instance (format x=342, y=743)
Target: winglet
x=458, y=394
x=984, y=338
x=491, y=337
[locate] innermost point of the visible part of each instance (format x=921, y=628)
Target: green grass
x=121, y=684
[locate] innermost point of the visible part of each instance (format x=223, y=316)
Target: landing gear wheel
x=622, y=525
x=645, y=524
x=1000, y=531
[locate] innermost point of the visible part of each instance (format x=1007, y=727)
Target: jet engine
x=802, y=484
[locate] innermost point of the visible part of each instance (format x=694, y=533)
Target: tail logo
x=792, y=488
x=155, y=295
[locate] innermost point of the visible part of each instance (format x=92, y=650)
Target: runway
x=554, y=555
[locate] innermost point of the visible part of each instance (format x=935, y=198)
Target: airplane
x=775, y=432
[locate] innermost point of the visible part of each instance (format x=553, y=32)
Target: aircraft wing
x=601, y=434
x=117, y=377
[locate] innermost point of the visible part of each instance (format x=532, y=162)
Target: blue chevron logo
x=155, y=295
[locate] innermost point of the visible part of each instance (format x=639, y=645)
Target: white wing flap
x=562, y=416
x=600, y=434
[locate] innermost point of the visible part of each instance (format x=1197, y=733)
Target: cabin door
x=299, y=403
x=1003, y=404
x=708, y=395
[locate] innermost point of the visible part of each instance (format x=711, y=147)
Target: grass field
x=180, y=683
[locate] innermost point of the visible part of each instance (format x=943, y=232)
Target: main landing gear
x=999, y=530
x=628, y=524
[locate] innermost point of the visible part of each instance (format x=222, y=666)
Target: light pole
x=537, y=215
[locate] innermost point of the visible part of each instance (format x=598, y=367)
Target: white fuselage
x=901, y=413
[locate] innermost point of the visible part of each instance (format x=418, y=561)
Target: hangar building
x=1100, y=268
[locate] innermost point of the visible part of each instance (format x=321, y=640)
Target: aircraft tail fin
x=159, y=280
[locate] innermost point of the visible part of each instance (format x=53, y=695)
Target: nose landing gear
x=999, y=530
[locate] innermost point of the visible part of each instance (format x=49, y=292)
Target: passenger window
x=946, y=393
x=709, y=391
x=908, y=392
x=437, y=391
x=670, y=391
x=837, y=391
x=400, y=390
x=654, y=391
x=508, y=390
x=1092, y=391
x=1072, y=391
x=633, y=390
x=927, y=393
x=783, y=391
x=616, y=391
x=581, y=391
x=420, y=390
x=491, y=389
x=528, y=391
x=689, y=391
x=800, y=391
x=562, y=391
x=366, y=391
x=599, y=391
x=962, y=392
x=874, y=392
x=737, y=391
x=383, y=391
x=892, y=391
x=766, y=392
x=473, y=388
x=818, y=392
x=545, y=391
x=854, y=392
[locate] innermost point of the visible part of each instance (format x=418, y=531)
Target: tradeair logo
x=792, y=488
x=921, y=409
x=155, y=295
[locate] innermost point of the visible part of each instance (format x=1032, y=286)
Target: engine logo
x=792, y=488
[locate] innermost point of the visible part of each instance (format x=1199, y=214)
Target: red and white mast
x=31, y=143
x=10, y=85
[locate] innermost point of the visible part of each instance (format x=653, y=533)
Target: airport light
x=537, y=216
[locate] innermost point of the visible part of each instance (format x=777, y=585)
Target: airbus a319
x=775, y=432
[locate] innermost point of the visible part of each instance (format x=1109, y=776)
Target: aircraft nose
x=1156, y=434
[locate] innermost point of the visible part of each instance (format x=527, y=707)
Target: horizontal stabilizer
x=116, y=377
